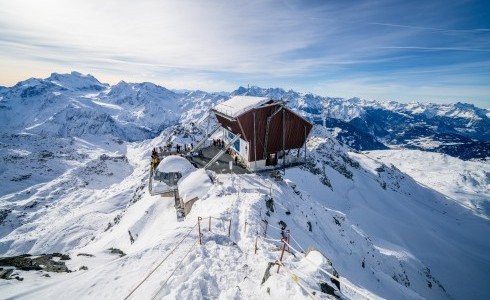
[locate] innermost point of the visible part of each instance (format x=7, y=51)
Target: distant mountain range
x=75, y=104
x=461, y=129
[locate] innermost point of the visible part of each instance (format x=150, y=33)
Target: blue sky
x=436, y=51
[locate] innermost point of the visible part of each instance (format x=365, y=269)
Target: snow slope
x=467, y=182
x=380, y=230
x=74, y=177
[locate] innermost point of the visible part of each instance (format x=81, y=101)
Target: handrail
x=222, y=151
x=206, y=138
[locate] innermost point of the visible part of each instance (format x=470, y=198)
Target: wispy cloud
x=435, y=48
x=477, y=30
x=222, y=44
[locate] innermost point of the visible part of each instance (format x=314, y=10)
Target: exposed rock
x=267, y=273
x=5, y=274
x=117, y=251
x=327, y=289
x=85, y=254
x=44, y=262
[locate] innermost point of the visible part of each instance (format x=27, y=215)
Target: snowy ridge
x=76, y=105
x=348, y=109
x=136, y=111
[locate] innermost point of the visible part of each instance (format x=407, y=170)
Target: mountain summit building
x=270, y=134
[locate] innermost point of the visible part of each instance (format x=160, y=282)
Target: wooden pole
x=229, y=228
x=256, y=238
x=199, y=229
x=209, y=226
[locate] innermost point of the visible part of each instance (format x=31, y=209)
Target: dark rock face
x=117, y=251
x=26, y=262
x=327, y=289
x=267, y=272
x=5, y=274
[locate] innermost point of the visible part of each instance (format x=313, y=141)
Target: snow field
x=466, y=182
x=378, y=228
x=395, y=257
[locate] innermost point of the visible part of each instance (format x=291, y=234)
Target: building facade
x=269, y=131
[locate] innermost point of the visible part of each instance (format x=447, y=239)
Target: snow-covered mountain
x=76, y=105
x=78, y=192
x=460, y=129
x=135, y=111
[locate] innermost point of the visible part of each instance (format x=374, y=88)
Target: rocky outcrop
x=46, y=262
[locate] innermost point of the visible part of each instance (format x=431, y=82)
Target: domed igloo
x=168, y=173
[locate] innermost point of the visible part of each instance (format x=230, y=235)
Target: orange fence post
x=282, y=254
x=199, y=229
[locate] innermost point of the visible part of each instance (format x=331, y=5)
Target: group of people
x=218, y=143
x=178, y=147
x=187, y=147
x=155, y=159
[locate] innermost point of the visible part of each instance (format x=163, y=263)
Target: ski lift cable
x=177, y=267
x=168, y=255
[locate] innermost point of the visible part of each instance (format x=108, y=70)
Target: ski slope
x=384, y=242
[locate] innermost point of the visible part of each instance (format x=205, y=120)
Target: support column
x=255, y=145
x=305, y=144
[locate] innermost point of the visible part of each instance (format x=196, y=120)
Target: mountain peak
x=76, y=81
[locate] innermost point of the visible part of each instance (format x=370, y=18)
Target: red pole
x=282, y=254
x=199, y=228
x=209, y=227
